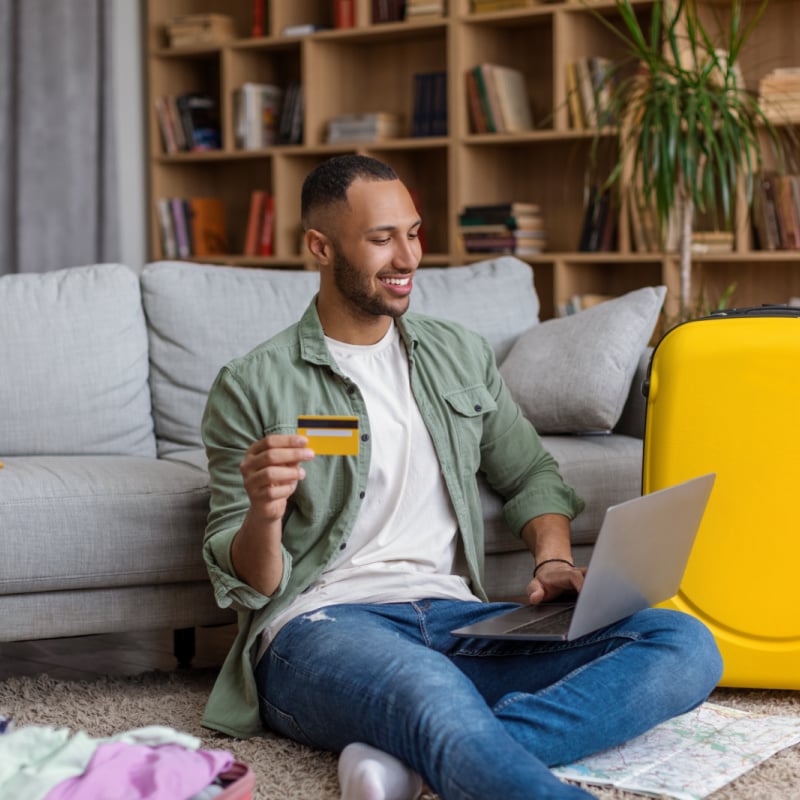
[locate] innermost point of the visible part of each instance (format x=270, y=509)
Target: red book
x=252, y=236
x=344, y=13
x=258, y=18
x=265, y=243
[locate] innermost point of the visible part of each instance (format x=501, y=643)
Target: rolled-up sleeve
x=518, y=466
x=230, y=425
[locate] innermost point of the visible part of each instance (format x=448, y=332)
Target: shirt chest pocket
x=468, y=408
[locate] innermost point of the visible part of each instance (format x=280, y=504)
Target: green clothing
x=472, y=420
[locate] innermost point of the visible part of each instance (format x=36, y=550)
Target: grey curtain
x=58, y=190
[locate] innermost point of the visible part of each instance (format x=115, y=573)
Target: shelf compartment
x=230, y=180
x=367, y=77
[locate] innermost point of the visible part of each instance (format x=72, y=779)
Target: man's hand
x=553, y=580
x=271, y=469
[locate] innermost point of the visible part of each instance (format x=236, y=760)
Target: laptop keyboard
x=557, y=623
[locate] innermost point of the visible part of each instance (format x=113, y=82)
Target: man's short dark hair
x=328, y=183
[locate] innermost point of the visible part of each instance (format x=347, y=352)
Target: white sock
x=366, y=773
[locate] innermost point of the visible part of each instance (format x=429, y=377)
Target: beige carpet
x=288, y=771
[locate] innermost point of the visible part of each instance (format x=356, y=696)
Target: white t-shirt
x=403, y=546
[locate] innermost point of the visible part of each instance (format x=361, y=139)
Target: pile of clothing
x=152, y=763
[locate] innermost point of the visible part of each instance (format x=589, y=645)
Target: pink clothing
x=120, y=771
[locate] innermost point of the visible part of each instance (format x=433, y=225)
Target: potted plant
x=687, y=130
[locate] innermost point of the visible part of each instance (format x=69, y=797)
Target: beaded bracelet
x=551, y=561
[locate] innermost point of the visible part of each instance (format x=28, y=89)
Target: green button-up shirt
x=474, y=424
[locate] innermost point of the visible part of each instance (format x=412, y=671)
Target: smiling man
x=349, y=571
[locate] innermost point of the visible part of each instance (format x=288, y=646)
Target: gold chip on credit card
x=330, y=436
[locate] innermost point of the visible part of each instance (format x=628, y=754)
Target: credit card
x=330, y=436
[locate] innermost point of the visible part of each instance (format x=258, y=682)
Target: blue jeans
x=479, y=719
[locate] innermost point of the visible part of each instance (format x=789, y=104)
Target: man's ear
x=319, y=245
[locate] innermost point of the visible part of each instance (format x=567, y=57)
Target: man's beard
x=353, y=286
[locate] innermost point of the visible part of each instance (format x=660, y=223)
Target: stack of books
x=516, y=228
x=498, y=101
x=188, y=122
x=192, y=226
x=370, y=127
x=779, y=94
x=486, y=6
x=590, y=84
x=418, y=10
x=196, y=30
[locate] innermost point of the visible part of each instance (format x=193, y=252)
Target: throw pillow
x=573, y=374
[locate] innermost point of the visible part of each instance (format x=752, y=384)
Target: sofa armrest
x=631, y=423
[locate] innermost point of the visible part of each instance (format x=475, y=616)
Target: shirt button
x=362, y=495
x=364, y=437
x=351, y=389
x=478, y=407
x=343, y=545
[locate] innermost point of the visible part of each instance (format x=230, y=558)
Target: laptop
x=638, y=560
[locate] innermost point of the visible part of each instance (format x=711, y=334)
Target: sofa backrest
x=200, y=317
x=74, y=364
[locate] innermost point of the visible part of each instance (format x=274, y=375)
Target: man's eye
x=381, y=241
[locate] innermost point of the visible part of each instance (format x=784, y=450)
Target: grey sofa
x=103, y=486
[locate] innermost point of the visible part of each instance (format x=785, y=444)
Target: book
x=418, y=10
x=200, y=121
x=704, y=242
x=254, y=217
x=513, y=101
x=603, y=78
x=166, y=226
x=486, y=6
x=787, y=213
x=492, y=97
x=516, y=228
x=207, y=221
x=192, y=30
x=586, y=92
x=483, y=94
x=367, y=127
x=344, y=13
x=267, y=233
x=513, y=208
x=429, y=112
x=388, y=11
x=290, y=124
x=477, y=116
x=574, y=97
x=165, y=127
x=257, y=109
x=257, y=28
x=179, y=220
x=304, y=29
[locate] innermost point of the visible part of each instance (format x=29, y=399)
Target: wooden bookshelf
x=371, y=67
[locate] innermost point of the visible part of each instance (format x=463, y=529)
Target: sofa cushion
x=97, y=522
x=573, y=374
x=74, y=364
x=201, y=317
x=604, y=469
x=495, y=298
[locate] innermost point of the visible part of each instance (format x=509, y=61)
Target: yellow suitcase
x=723, y=395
